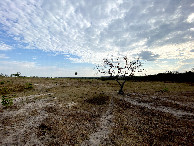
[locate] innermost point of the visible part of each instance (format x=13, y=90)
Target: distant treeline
x=168, y=76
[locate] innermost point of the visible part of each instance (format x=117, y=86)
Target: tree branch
x=118, y=82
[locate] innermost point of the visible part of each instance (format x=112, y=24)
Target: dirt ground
x=90, y=112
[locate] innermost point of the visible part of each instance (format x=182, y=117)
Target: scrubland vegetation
x=57, y=111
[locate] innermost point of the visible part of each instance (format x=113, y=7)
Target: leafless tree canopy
x=117, y=68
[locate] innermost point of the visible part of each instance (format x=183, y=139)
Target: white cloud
x=175, y=51
x=95, y=29
x=4, y=47
x=191, y=29
x=190, y=18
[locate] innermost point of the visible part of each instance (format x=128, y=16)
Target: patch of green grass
x=2, y=82
x=6, y=101
x=165, y=89
x=28, y=86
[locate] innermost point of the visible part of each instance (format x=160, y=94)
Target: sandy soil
x=101, y=136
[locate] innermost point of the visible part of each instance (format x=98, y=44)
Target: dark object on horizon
x=75, y=73
x=16, y=75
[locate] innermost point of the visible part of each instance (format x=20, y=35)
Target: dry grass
x=139, y=125
x=69, y=111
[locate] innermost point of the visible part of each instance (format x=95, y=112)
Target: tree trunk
x=121, y=87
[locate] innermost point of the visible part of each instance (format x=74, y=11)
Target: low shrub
x=98, y=99
x=28, y=86
x=6, y=101
x=2, y=82
x=165, y=89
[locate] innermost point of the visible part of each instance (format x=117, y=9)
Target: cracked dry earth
x=132, y=119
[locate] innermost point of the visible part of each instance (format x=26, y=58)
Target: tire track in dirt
x=188, y=104
x=174, y=112
x=102, y=134
x=161, y=98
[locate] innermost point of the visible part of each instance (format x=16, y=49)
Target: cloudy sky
x=60, y=37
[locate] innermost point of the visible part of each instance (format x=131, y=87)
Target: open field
x=90, y=112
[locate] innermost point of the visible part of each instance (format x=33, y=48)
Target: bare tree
x=120, y=70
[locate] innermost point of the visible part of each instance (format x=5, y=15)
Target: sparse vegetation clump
x=6, y=101
x=165, y=89
x=98, y=99
x=2, y=82
x=28, y=86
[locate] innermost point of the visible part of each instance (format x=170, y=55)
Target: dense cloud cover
x=93, y=29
